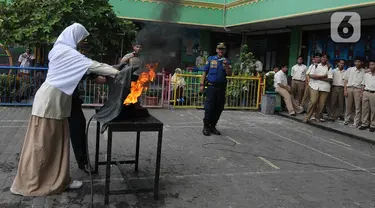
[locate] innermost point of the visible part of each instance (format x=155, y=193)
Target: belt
x=337, y=86
x=370, y=91
x=298, y=80
x=217, y=84
x=354, y=87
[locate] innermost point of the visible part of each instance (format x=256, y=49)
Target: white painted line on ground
x=334, y=140
x=316, y=150
x=197, y=118
x=231, y=139
x=339, y=145
x=224, y=174
x=269, y=163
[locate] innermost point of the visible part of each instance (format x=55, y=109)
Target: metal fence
x=19, y=85
x=241, y=93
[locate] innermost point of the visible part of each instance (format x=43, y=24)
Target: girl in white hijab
x=44, y=162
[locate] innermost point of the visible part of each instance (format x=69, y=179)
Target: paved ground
x=338, y=126
x=261, y=161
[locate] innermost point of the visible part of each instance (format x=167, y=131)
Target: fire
x=141, y=84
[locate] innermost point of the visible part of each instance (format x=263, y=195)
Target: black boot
x=206, y=130
x=213, y=130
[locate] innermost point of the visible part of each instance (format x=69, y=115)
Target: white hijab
x=66, y=65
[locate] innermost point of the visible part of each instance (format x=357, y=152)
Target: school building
x=277, y=31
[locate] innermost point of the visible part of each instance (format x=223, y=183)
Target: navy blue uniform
x=215, y=91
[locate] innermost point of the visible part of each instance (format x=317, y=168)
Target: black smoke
x=160, y=38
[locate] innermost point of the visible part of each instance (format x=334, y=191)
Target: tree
x=38, y=23
x=245, y=65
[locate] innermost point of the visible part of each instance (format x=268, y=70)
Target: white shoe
x=76, y=185
x=15, y=192
x=312, y=118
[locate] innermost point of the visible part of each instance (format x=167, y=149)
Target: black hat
x=221, y=46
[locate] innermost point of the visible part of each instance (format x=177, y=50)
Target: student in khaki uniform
x=368, y=99
x=337, y=99
x=298, y=79
x=320, y=78
x=306, y=94
x=352, y=90
x=282, y=87
x=134, y=58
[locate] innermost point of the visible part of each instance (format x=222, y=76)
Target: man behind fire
x=320, y=86
x=134, y=58
x=216, y=70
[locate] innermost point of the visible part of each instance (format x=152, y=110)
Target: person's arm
x=318, y=77
x=363, y=86
x=103, y=69
x=228, y=67
x=126, y=58
x=206, y=67
x=292, y=71
x=329, y=76
x=101, y=80
x=20, y=59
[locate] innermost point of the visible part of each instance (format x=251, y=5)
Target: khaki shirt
x=299, y=72
x=354, y=77
x=280, y=78
x=369, y=81
x=321, y=85
x=136, y=60
x=338, y=77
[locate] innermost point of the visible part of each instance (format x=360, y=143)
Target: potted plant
x=243, y=67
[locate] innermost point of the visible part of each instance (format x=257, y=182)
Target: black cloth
x=214, y=105
x=119, y=89
x=77, y=126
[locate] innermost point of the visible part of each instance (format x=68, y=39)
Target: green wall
x=243, y=14
x=151, y=11
x=270, y=9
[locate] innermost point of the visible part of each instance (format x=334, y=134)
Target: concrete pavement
x=260, y=161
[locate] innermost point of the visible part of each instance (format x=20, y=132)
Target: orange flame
x=141, y=84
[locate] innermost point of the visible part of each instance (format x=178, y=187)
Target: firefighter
x=214, y=78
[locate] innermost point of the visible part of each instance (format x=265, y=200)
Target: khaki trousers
x=291, y=104
x=336, y=104
x=298, y=89
x=317, y=103
x=354, y=97
x=306, y=96
x=368, y=109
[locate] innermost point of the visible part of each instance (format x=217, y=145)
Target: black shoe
x=206, y=131
x=215, y=131
x=372, y=129
x=85, y=168
x=362, y=128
